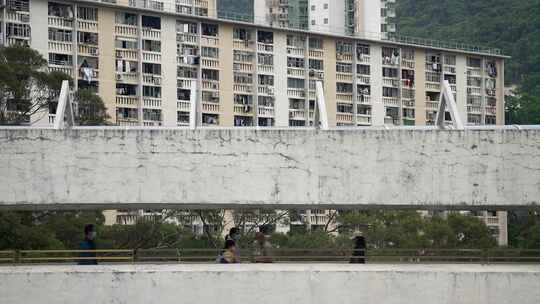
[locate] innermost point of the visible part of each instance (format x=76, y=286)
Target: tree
x=25, y=86
x=91, y=110
x=524, y=108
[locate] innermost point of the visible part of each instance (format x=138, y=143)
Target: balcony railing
x=127, y=101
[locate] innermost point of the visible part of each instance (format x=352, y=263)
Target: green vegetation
x=511, y=25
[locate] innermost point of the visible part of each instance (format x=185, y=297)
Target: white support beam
x=447, y=101
x=321, y=111
x=64, y=109
x=193, y=106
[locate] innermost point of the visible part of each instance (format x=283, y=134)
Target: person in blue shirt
x=88, y=244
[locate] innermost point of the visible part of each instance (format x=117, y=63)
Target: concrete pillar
x=168, y=71
x=378, y=111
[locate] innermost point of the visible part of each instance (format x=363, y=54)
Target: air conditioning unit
x=321, y=75
x=94, y=52
x=271, y=91
x=215, y=94
x=157, y=81
x=339, y=57
x=119, y=77
x=118, y=54
x=25, y=18
x=311, y=73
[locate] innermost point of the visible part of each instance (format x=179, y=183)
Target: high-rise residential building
x=148, y=59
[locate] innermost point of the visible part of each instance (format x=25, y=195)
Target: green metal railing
x=389, y=256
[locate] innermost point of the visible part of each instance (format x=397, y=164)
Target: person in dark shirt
x=88, y=244
x=359, y=251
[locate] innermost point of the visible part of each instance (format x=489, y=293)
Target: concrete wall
x=298, y=284
x=84, y=167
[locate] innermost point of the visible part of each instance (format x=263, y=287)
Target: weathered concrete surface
x=285, y=283
x=93, y=168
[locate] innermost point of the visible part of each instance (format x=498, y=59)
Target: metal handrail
x=189, y=255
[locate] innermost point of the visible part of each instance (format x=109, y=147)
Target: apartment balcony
x=296, y=72
x=344, y=57
x=473, y=109
x=364, y=59
x=409, y=103
x=390, y=82
x=449, y=69
x=362, y=79
x=474, y=72
x=152, y=79
x=127, y=122
x=474, y=91
x=296, y=52
x=152, y=103
x=87, y=26
x=491, y=110
x=184, y=83
x=88, y=50
x=265, y=90
x=297, y=114
x=432, y=105
x=210, y=63
x=406, y=84
x=265, y=68
x=344, y=77
x=151, y=123
x=187, y=38
x=154, y=57
x=66, y=69
x=210, y=107
x=126, y=30
x=364, y=99
x=244, y=45
x=61, y=47
x=127, y=101
x=296, y=93
x=490, y=220
x=433, y=87
x=318, y=54
x=243, y=88
x=150, y=33
x=129, y=54
x=344, y=97
x=17, y=17
x=243, y=109
x=127, y=77
x=344, y=117
x=182, y=105
x=209, y=41
x=391, y=101
x=264, y=111
x=210, y=85
x=363, y=119
x=243, y=67
x=408, y=64
x=265, y=48
x=60, y=22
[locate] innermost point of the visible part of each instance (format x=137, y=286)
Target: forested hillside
x=511, y=25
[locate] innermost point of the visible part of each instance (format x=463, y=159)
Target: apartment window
x=151, y=68
x=474, y=62
x=126, y=89
x=326, y=6
x=60, y=10
x=87, y=13
x=209, y=52
x=183, y=94
x=265, y=37
x=295, y=83
x=151, y=45
x=241, y=34
x=344, y=47
x=126, y=44
x=18, y=30
x=151, y=22
x=208, y=74
x=152, y=114
x=127, y=113
x=242, y=56
x=491, y=120
x=126, y=18
x=315, y=43
x=362, y=49
x=312, y=22
x=151, y=91
x=315, y=64
x=312, y=7
x=363, y=69
x=187, y=72
x=293, y=62
x=209, y=29
x=186, y=27
x=266, y=80
x=325, y=20
x=243, y=99
x=344, y=87
x=344, y=67
x=126, y=66
x=266, y=59
x=243, y=78
x=60, y=59
x=390, y=92
x=390, y=72
x=60, y=35
x=87, y=38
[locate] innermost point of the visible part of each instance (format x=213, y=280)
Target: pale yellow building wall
x=226, y=118
x=420, y=87
x=107, y=64
x=329, y=45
